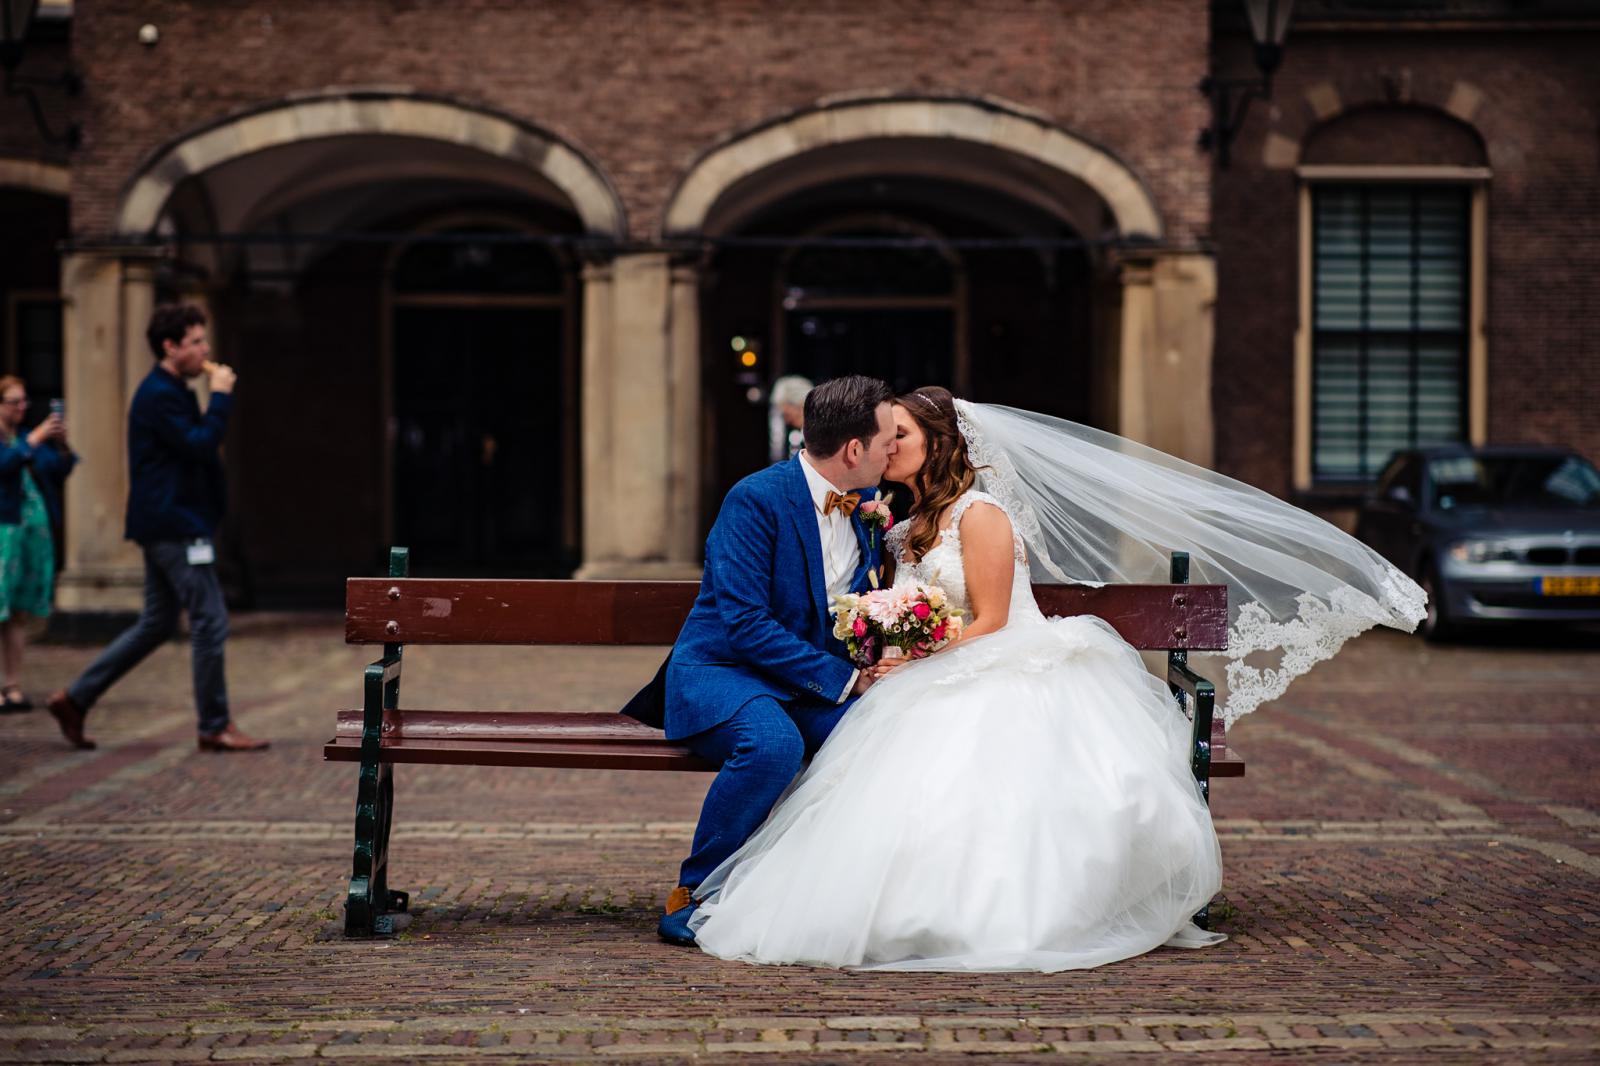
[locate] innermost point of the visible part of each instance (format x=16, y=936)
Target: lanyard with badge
x=201, y=552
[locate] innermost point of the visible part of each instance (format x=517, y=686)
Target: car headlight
x=1483, y=551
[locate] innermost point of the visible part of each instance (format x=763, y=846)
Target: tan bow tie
x=846, y=503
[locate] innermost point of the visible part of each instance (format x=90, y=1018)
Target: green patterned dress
x=27, y=558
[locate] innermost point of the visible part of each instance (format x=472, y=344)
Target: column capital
x=123, y=250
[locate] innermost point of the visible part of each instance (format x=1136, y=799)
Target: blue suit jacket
x=176, y=488
x=760, y=625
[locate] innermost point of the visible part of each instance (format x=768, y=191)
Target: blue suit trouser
x=760, y=748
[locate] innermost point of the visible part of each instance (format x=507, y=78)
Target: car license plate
x=1570, y=586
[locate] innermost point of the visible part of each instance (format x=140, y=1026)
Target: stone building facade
x=509, y=282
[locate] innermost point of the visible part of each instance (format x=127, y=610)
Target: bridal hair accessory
x=1094, y=508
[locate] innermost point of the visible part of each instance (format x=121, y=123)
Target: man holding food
x=176, y=499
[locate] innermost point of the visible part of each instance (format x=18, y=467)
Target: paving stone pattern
x=1413, y=874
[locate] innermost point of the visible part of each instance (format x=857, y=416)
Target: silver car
x=1493, y=534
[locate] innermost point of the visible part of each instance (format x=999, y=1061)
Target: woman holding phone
x=27, y=550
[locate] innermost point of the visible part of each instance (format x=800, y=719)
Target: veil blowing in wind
x=1096, y=508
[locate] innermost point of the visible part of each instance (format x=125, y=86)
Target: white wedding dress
x=1019, y=801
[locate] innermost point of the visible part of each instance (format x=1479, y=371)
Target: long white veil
x=1093, y=507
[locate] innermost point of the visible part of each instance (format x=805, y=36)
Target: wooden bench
x=398, y=610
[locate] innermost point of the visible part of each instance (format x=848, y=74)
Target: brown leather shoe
x=230, y=739
x=69, y=716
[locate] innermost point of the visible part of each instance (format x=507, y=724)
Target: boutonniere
x=875, y=516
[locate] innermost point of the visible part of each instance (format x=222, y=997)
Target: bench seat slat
x=483, y=611
x=572, y=739
x=571, y=756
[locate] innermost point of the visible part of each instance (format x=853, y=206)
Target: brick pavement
x=1413, y=873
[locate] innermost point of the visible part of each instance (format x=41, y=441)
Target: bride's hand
x=881, y=669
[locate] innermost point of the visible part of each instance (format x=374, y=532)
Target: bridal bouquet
x=892, y=623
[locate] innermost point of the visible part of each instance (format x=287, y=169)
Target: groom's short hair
x=843, y=410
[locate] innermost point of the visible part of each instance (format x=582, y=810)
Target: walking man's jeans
x=171, y=585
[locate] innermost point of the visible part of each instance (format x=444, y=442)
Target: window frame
x=1475, y=379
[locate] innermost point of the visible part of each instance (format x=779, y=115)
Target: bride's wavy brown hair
x=945, y=472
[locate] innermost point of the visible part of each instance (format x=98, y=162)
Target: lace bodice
x=944, y=565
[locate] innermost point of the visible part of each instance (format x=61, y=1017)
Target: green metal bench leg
x=370, y=905
x=1205, y=698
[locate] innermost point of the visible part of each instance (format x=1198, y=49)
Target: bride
x=1022, y=799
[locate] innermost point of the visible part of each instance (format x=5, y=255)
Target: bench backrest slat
x=480, y=611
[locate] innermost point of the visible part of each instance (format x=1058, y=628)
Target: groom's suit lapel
x=804, y=515
x=859, y=579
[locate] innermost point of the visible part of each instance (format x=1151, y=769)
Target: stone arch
x=372, y=113
x=967, y=122
x=1405, y=134
x=35, y=176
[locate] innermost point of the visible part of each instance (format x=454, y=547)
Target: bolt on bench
x=399, y=610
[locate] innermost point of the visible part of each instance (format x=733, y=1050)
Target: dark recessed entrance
x=918, y=281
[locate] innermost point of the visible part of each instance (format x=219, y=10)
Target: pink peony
x=938, y=633
x=922, y=611
x=859, y=627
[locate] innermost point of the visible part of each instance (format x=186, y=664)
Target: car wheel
x=1436, y=625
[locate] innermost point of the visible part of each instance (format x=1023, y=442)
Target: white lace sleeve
x=895, y=540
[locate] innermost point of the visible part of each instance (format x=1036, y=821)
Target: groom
x=756, y=680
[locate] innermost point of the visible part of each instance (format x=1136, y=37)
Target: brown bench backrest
x=421, y=610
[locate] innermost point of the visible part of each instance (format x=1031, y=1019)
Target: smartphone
x=58, y=407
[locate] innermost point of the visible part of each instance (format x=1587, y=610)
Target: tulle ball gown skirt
x=1019, y=802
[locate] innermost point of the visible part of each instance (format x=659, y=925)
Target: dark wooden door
x=479, y=463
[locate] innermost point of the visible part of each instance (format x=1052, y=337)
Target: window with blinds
x=1389, y=306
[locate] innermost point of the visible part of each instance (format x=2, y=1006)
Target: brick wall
x=1534, y=98
x=19, y=137
x=643, y=87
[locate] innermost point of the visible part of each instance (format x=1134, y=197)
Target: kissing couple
x=1021, y=798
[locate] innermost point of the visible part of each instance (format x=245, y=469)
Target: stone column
x=641, y=419
x=1164, y=369
x=108, y=295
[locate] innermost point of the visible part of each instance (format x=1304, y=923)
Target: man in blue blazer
x=176, y=499
x=756, y=680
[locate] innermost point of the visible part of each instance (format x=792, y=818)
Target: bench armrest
x=1180, y=675
x=1203, y=694
x=380, y=682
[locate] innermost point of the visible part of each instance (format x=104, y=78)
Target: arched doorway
x=393, y=276
x=904, y=273
x=35, y=220
x=34, y=216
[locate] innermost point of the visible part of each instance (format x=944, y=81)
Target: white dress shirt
x=841, y=552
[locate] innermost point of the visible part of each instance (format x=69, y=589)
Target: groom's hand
x=864, y=680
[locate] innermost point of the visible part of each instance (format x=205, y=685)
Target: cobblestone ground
x=1413, y=873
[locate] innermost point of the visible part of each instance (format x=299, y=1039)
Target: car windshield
x=1517, y=482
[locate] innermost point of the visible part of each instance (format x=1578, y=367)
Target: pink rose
x=922, y=611
x=869, y=507
x=938, y=633
x=859, y=627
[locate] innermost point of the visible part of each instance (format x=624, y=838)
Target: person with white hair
x=786, y=416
